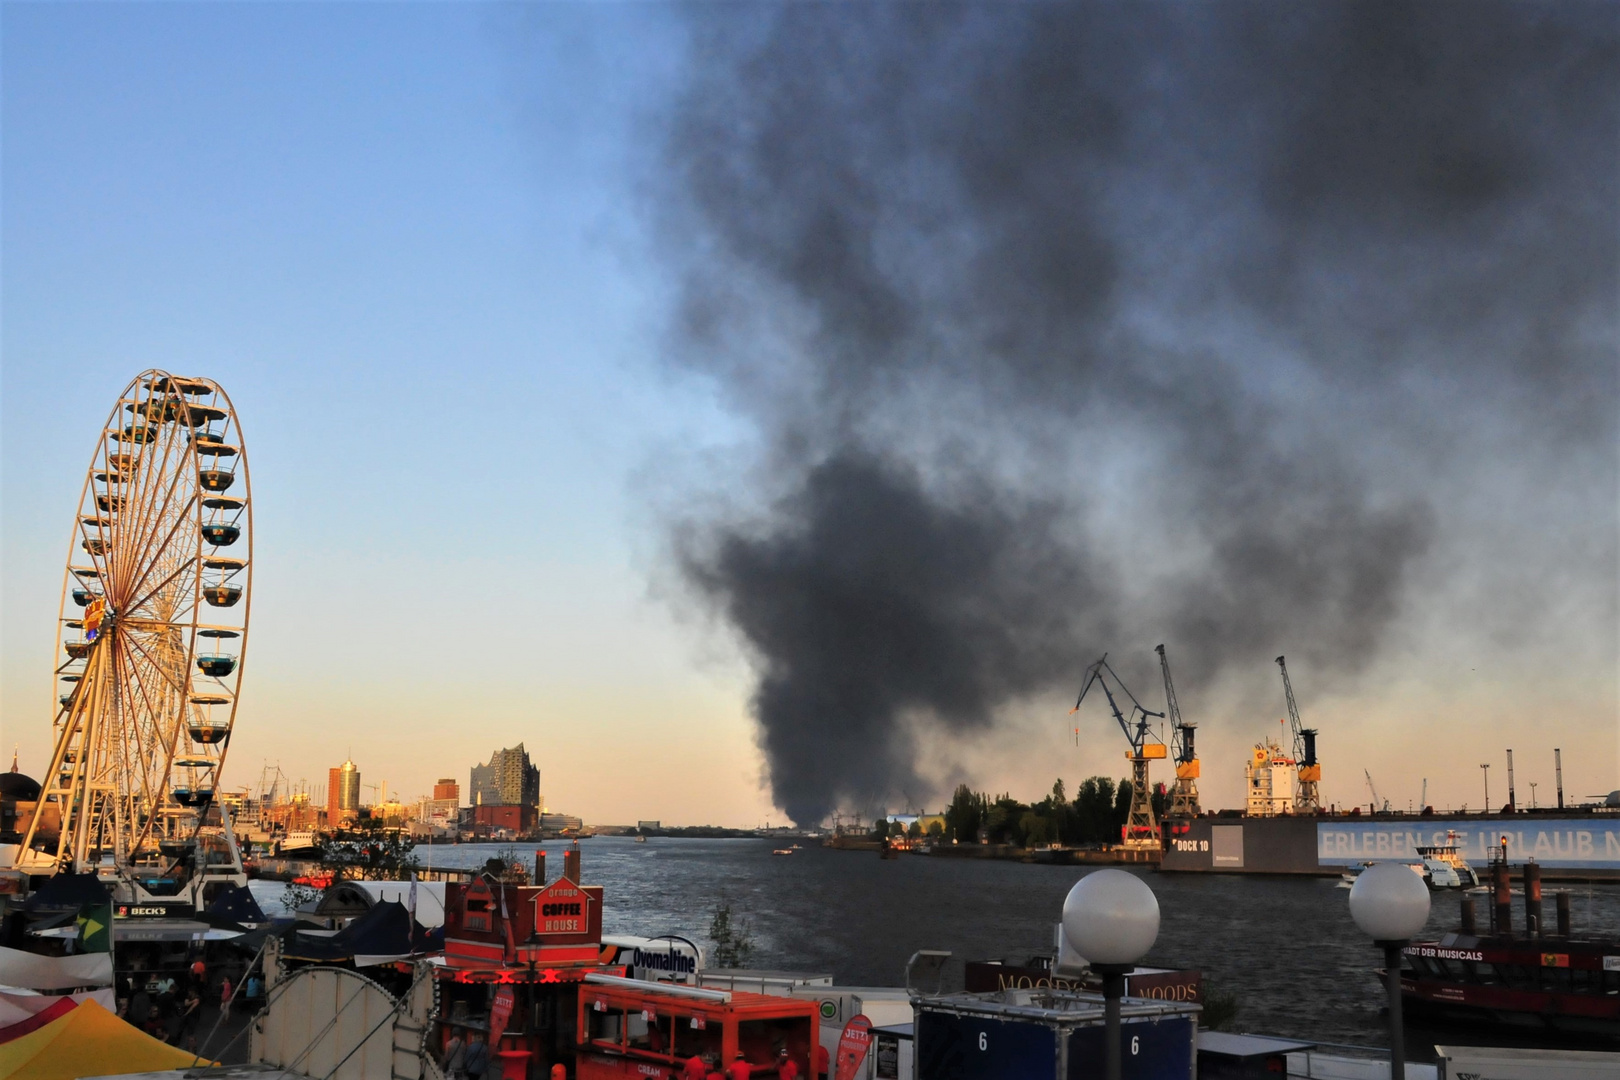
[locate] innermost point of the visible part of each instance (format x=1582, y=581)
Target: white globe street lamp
x=1390, y=904
x=1112, y=919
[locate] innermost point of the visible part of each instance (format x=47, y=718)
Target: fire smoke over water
x=1204, y=323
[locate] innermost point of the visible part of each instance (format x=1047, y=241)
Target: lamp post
x=1485, y=767
x=1390, y=904
x=1112, y=919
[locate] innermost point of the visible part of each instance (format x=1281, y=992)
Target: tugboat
x=1533, y=982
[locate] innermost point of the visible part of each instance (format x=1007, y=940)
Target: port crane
x=1141, y=827
x=1376, y=799
x=1184, y=797
x=1306, y=800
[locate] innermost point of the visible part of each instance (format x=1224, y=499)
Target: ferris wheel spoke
x=138, y=576
x=155, y=589
x=142, y=767
x=146, y=502
x=154, y=508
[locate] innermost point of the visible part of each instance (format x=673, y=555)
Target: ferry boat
x=1536, y=982
x=1443, y=867
x=1542, y=985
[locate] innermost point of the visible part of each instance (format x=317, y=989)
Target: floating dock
x=1570, y=846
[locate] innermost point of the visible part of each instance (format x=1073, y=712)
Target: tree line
x=1095, y=815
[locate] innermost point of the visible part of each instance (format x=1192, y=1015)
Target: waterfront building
x=561, y=823
x=342, y=792
x=447, y=790
x=509, y=779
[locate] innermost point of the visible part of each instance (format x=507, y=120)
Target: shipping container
x=1024, y=1034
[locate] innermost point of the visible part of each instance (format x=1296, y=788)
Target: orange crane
x=1306, y=800
x=1141, y=828
x=1184, y=796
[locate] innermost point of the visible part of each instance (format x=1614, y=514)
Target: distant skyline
x=440, y=257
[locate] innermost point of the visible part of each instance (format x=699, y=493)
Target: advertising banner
x=852, y=1045
x=1572, y=843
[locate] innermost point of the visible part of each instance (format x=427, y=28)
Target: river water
x=1285, y=947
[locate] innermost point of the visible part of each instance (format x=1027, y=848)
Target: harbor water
x=1284, y=947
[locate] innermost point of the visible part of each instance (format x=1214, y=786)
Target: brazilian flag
x=95, y=927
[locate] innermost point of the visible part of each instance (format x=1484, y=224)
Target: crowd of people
x=171, y=1008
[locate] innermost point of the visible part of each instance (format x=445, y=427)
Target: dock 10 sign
x=1575, y=843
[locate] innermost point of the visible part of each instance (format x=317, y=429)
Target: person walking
x=190, y=1019
x=477, y=1056
x=695, y=1068
x=454, y=1061
x=739, y=1069
x=786, y=1067
x=225, y=989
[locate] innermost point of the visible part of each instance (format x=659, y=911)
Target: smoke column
x=1194, y=322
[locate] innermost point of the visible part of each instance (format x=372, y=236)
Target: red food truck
x=632, y=1028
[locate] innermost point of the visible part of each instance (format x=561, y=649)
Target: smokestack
x=1532, y=899
x=1469, y=924
x=1561, y=901
x=539, y=867
x=1502, y=900
x=1558, y=771
x=1513, y=798
x=571, y=863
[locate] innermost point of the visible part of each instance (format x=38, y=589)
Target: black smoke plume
x=1184, y=321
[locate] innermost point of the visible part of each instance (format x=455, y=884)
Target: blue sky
x=405, y=239
x=412, y=242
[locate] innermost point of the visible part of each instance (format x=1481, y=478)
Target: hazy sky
x=429, y=250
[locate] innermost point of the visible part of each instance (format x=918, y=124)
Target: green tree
x=965, y=816
x=880, y=828
x=733, y=941
x=1001, y=822
x=1122, y=810
x=1094, y=811
x=1036, y=829
x=369, y=852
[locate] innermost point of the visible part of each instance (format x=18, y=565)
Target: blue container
x=1030, y=1034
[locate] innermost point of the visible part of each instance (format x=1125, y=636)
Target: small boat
x=782, y=851
x=1444, y=868
x=641, y=839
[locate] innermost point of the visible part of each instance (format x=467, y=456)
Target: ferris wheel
x=152, y=630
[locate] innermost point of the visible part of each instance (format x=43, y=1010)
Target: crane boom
x=1376, y=799
x=1310, y=771
x=1141, y=828
x=1184, y=800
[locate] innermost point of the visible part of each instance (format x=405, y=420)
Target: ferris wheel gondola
x=153, y=632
